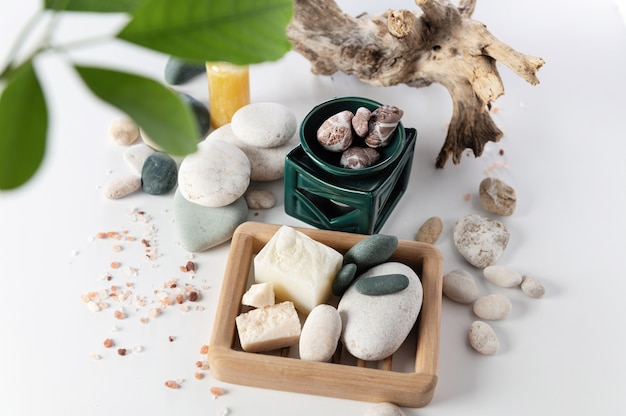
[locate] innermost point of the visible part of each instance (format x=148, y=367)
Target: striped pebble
x=335, y=134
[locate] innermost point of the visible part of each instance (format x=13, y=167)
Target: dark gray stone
x=344, y=277
x=158, y=174
x=371, y=251
x=201, y=113
x=178, y=71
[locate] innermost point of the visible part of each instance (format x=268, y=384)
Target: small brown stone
x=497, y=197
x=430, y=231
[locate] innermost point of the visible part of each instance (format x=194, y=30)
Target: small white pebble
x=121, y=186
x=136, y=155
x=460, y=286
x=532, y=287
x=503, y=276
x=123, y=131
x=483, y=338
x=492, y=307
x=95, y=357
x=260, y=199
x=384, y=409
x=223, y=411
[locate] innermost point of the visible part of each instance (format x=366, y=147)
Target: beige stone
x=483, y=338
x=430, y=230
x=460, y=286
x=497, y=197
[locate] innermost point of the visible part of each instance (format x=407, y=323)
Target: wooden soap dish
x=344, y=377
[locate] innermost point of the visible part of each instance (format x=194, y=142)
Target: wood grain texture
x=373, y=382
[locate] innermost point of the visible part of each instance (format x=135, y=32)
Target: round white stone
x=320, y=334
x=492, y=307
x=374, y=327
x=266, y=164
x=503, y=276
x=214, y=176
x=481, y=241
x=264, y=124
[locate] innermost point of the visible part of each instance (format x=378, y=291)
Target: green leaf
x=98, y=6
x=24, y=124
x=236, y=31
x=158, y=110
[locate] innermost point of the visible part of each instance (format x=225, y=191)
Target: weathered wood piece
x=439, y=44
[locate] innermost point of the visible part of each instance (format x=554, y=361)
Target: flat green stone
x=344, y=277
x=371, y=251
x=200, y=228
x=382, y=285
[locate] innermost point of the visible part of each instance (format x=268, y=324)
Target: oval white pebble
x=264, y=124
x=460, y=286
x=215, y=176
x=136, y=155
x=483, y=338
x=123, y=131
x=320, y=334
x=384, y=409
x=122, y=186
x=374, y=327
x=493, y=307
x=503, y=276
x=532, y=287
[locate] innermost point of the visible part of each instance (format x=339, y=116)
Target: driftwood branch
x=438, y=44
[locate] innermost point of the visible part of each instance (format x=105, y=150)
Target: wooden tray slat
x=334, y=379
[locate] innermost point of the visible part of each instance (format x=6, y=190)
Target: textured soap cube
x=301, y=269
x=269, y=328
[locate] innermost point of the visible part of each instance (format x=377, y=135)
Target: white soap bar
x=301, y=269
x=259, y=295
x=269, y=328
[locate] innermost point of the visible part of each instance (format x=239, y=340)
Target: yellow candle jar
x=229, y=90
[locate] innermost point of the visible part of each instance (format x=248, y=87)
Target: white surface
x=564, y=146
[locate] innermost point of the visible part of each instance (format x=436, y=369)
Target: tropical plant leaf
x=98, y=6
x=24, y=125
x=158, y=110
x=236, y=31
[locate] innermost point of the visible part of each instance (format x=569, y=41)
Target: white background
x=564, y=147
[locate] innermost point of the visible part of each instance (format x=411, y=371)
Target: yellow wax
x=229, y=90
